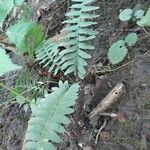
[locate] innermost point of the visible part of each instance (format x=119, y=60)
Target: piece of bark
x=91, y=92
x=112, y=97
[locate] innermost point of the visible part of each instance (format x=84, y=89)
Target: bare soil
x=130, y=133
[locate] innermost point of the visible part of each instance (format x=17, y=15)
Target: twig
x=99, y=131
x=112, y=70
x=146, y=32
x=112, y=115
x=112, y=97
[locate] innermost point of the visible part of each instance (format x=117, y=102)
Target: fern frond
x=79, y=32
x=48, y=116
x=48, y=54
x=27, y=86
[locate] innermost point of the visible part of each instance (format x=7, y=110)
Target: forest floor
x=132, y=130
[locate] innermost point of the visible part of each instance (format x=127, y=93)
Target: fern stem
x=12, y=91
x=7, y=88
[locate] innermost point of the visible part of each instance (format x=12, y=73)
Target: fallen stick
x=112, y=97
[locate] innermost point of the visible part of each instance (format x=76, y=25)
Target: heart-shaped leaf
x=138, y=14
x=126, y=14
x=131, y=39
x=117, y=52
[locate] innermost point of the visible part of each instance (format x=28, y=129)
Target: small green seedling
x=118, y=50
x=131, y=39
x=128, y=14
x=138, y=14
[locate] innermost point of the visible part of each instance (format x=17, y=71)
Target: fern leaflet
x=48, y=54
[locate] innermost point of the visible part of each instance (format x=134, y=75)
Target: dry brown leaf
x=121, y=118
x=105, y=136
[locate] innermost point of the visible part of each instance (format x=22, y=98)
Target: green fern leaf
x=79, y=32
x=49, y=115
x=6, y=64
x=48, y=54
x=18, y=2
x=26, y=36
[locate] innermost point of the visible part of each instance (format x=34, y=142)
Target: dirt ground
x=132, y=132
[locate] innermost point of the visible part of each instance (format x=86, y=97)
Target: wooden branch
x=112, y=97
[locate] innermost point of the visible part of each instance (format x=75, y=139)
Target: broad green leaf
x=145, y=20
x=5, y=7
x=18, y=2
x=117, y=52
x=138, y=14
x=6, y=65
x=26, y=36
x=131, y=39
x=126, y=14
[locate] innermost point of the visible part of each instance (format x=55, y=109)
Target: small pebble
x=81, y=123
